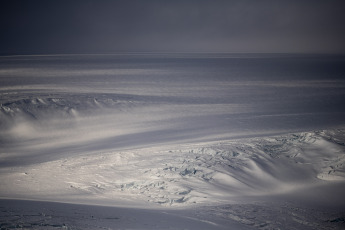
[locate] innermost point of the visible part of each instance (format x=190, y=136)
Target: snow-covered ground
x=182, y=175
x=292, y=181
x=172, y=142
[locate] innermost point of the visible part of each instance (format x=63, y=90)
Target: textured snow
x=204, y=173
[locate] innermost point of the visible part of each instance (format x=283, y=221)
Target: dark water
x=85, y=103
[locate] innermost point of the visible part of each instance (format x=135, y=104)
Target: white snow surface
x=293, y=181
x=187, y=174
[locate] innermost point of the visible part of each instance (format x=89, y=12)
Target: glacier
x=198, y=141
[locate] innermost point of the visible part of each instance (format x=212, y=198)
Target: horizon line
x=162, y=53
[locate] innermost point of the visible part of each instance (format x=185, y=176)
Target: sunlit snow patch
x=189, y=174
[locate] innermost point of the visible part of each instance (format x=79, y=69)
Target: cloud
x=228, y=26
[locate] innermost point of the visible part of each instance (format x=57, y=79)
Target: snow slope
x=291, y=181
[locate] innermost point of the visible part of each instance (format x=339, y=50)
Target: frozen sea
x=198, y=141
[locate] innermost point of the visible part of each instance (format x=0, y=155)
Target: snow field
x=190, y=174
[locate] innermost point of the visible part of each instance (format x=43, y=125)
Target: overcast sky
x=99, y=26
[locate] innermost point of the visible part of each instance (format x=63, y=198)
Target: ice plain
x=172, y=142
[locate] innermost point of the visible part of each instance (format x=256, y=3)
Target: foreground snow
x=19, y=214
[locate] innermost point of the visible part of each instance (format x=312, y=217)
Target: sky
x=104, y=26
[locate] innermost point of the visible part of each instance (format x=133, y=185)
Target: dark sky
x=100, y=26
